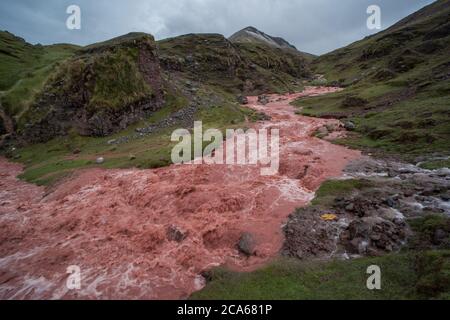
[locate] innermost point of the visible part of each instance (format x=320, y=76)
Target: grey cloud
x=315, y=26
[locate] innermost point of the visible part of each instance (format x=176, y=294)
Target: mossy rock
x=385, y=74
x=430, y=47
x=438, y=32
x=353, y=101
x=380, y=133
x=405, y=62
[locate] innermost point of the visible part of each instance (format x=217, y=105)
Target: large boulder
x=247, y=244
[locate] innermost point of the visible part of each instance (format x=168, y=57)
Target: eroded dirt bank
x=149, y=234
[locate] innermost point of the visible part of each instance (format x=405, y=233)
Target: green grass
x=419, y=125
x=24, y=69
x=436, y=164
x=425, y=229
x=57, y=156
x=17, y=59
x=407, y=113
x=332, y=189
x=118, y=80
x=404, y=276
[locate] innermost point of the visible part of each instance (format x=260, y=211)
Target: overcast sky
x=315, y=26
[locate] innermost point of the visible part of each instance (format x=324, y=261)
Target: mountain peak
x=251, y=34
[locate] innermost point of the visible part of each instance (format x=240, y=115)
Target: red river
x=114, y=224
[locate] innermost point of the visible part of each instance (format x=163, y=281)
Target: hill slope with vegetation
x=24, y=68
x=122, y=97
x=397, y=87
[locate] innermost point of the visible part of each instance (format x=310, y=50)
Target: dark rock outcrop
x=353, y=101
x=102, y=90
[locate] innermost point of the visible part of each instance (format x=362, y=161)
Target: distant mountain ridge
x=251, y=34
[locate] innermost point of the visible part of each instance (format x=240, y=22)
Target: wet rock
x=373, y=234
x=408, y=193
x=333, y=127
x=322, y=132
x=263, y=99
x=247, y=244
x=440, y=236
x=175, y=234
x=350, y=207
x=361, y=205
x=390, y=202
x=242, y=100
x=308, y=236
x=443, y=172
x=350, y=126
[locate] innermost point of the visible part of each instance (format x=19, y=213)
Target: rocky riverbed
x=372, y=218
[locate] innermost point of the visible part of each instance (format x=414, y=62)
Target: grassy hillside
x=238, y=69
x=97, y=92
x=406, y=52
x=397, y=86
x=24, y=68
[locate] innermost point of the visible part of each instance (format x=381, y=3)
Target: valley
x=87, y=179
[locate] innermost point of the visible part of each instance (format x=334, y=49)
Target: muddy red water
x=149, y=234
